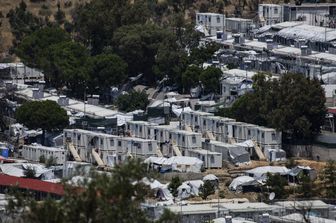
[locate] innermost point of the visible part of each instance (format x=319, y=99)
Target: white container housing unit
x=33, y=153
x=111, y=149
x=210, y=159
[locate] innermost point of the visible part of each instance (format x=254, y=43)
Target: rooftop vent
x=37, y=93
x=40, y=85
x=93, y=100
x=238, y=39
x=264, y=218
x=228, y=219
x=305, y=51
x=63, y=100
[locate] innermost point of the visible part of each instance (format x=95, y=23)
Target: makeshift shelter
x=241, y=183
x=189, y=188
x=261, y=172
x=176, y=163
x=161, y=191
x=212, y=178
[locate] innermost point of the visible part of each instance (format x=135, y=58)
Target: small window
x=273, y=136
x=198, y=18
x=196, y=120
x=262, y=135
x=209, y=18
x=212, y=159
x=78, y=137
x=204, y=122
x=119, y=143
x=194, y=139
x=140, y=128
x=112, y=142
x=101, y=141
x=248, y=132
x=275, y=10
x=183, y=139
x=218, y=19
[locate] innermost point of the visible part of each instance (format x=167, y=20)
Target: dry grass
x=6, y=36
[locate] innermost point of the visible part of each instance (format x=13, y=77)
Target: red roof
x=32, y=184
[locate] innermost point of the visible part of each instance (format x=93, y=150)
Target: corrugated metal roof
x=32, y=184
x=308, y=32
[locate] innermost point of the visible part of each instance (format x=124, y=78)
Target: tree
x=307, y=187
x=23, y=22
x=107, y=70
x=96, y=21
x=47, y=115
x=190, y=77
x=30, y=172
x=42, y=159
x=132, y=101
x=67, y=65
x=294, y=105
x=207, y=189
x=201, y=54
x=168, y=217
x=138, y=45
x=59, y=15
x=329, y=178
x=174, y=184
x=276, y=183
x=102, y=199
x=210, y=79
x=33, y=48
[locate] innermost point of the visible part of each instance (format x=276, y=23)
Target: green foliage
x=30, y=172
x=23, y=22
x=59, y=15
x=34, y=47
x=174, y=184
x=66, y=65
x=206, y=189
x=329, y=177
x=42, y=159
x=168, y=217
x=96, y=22
x=106, y=70
x=47, y=115
x=210, y=78
x=203, y=53
x=51, y=161
x=190, y=77
x=104, y=198
x=276, y=183
x=138, y=45
x=294, y=104
x=132, y=101
x=307, y=187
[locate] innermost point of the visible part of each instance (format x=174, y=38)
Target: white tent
x=261, y=172
x=178, y=163
x=238, y=182
x=189, y=188
x=210, y=177
x=161, y=190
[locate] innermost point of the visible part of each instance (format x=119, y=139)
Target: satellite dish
x=272, y=196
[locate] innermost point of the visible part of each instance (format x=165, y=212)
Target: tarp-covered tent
x=239, y=155
x=161, y=190
x=212, y=178
x=189, y=188
x=239, y=182
x=177, y=163
x=261, y=172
